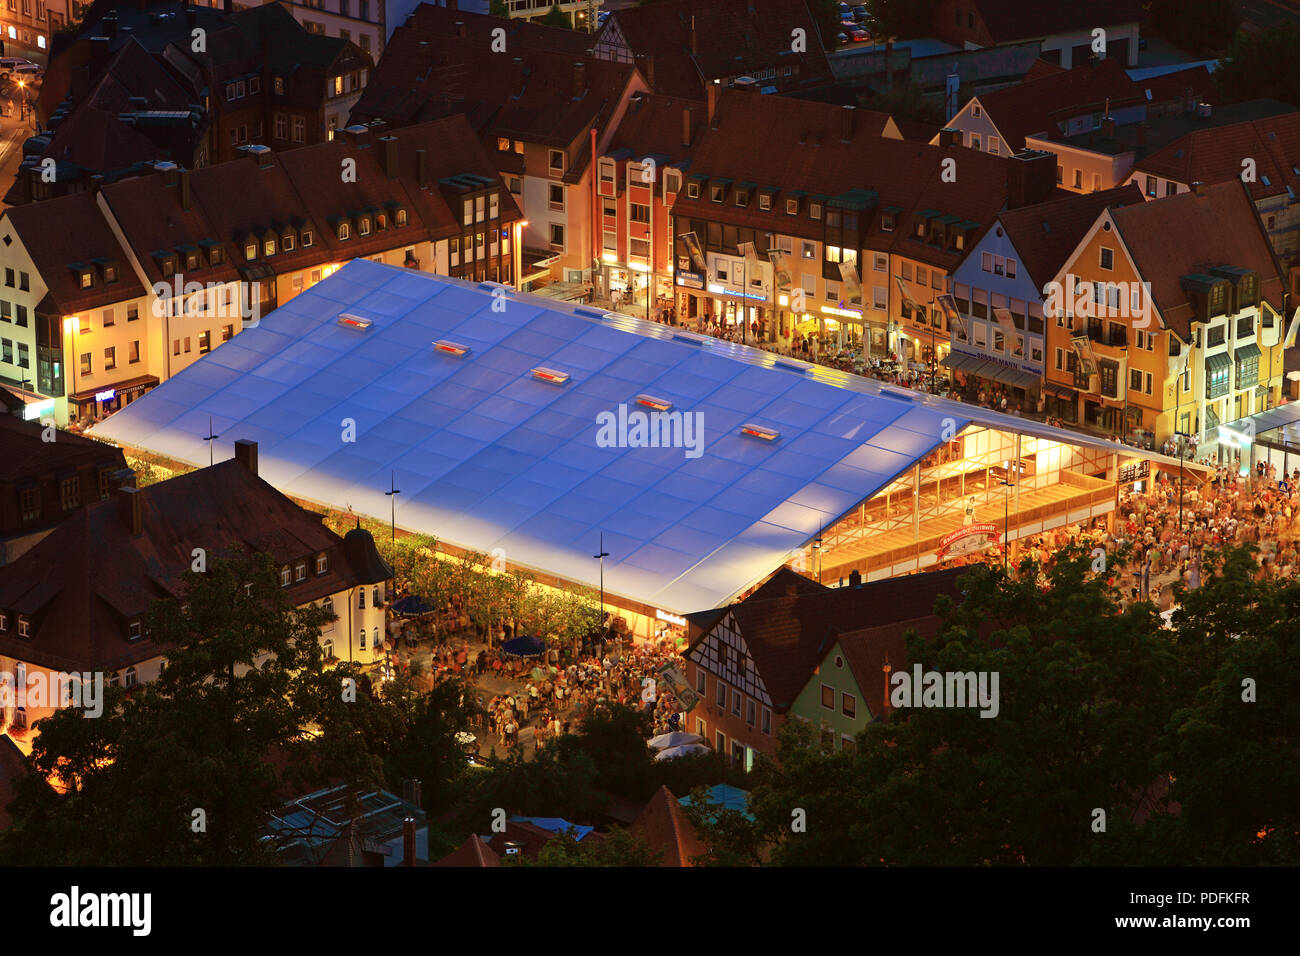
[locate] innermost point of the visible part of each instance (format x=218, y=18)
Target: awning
x=1060, y=391
x=1218, y=362
x=961, y=361
x=1247, y=352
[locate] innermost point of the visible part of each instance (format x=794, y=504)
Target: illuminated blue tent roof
x=488, y=456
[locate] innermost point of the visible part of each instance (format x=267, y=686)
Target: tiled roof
x=1218, y=228
x=520, y=34
x=732, y=37
x=788, y=636
x=663, y=825
x=654, y=126
x=25, y=455
x=1021, y=19
x=82, y=583
x=1045, y=234
x=472, y=853
x=1174, y=86
x=527, y=94
x=1035, y=106
x=868, y=649
x=71, y=229
x=1215, y=155
x=804, y=152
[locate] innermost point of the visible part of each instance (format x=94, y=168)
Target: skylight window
x=349, y=321
x=760, y=431
x=451, y=348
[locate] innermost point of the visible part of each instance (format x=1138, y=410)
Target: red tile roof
x=1215, y=155
x=1174, y=86
x=788, y=636
x=1047, y=233
x=868, y=649
x=1036, y=106
x=472, y=853
x=83, y=583
x=654, y=126
x=25, y=455
x=520, y=34
x=71, y=229
x=804, y=152
x=1218, y=228
x=664, y=827
x=527, y=94
x=1040, y=68
x=732, y=38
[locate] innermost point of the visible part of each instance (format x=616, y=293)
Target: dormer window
x=764, y=201
x=306, y=238
x=286, y=576
x=692, y=190
x=400, y=216
x=300, y=571
x=250, y=250
x=286, y=242
x=110, y=272
x=87, y=278
x=364, y=227
x=268, y=247
x=345, y=231
x=214, y=255
x=742, y=197
x=322, y=563
x=715, y=193
x=814, y=210
x=133, y=631
x=24, y=626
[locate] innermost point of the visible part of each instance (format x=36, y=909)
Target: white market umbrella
x=682, y=751
x=675, y=739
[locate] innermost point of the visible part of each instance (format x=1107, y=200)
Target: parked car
x=857, y=34
x=861, y=14
x=846, y=12
x=28, y=69
x=841, y=38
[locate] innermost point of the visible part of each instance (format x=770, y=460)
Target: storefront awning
x=1060, y=391
x=961, y=361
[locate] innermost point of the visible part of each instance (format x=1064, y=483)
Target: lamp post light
x=210, y=438
x=601, y=556
x=391, y=494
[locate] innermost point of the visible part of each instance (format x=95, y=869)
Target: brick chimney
x=1198, y=187
x=132, y=513
x=246, y=454
x=693, y=44
x=949, y=136
x=1108, y=126
x=579, y=78
x=461, y=30
x=390, y=156
x=421, y=170
x=408, y=841
x=1031, y=178
x=686, y=126
x=847, y=115
x=712, y=91
x=183, y=188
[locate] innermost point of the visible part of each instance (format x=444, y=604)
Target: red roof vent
x=349, y=321
x=550, y=375
x=657, y=404
x=760, y=431
x=451, y=348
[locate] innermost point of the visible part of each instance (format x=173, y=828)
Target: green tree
x=619, y=847
x=498, y=8
x=826, y=17
x=1262, y=65
x=555, y=17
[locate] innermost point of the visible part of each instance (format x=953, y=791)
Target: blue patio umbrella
x=524, y=646
x=412, y=606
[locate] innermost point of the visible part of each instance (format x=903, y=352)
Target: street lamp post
x=1006, y=522
x=210, y=438
x=601, y=556
x=392, y=494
